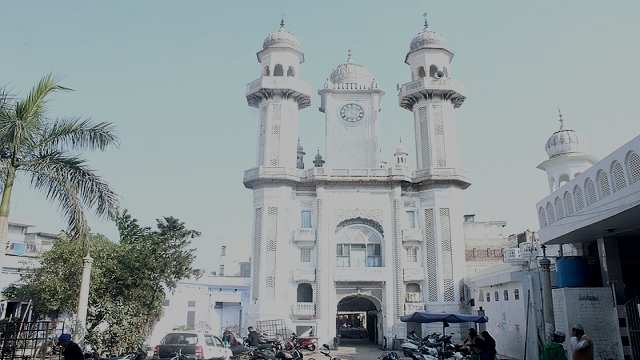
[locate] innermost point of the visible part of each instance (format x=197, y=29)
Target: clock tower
x=350, y=101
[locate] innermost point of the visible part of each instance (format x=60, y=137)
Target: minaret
x=432, y=96
x=300, y=156
x=279, y=94
x=568, y=156
x=400, y=156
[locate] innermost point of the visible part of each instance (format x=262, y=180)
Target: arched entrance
x=358, y=319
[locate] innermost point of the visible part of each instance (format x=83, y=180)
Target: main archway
x=358, y=319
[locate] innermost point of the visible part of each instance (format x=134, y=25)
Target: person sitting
x=553, y=350
x=256, y=340
x=474, y=344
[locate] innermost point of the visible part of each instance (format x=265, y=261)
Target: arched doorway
x=358, y=319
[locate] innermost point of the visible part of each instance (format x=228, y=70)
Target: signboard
x=595, y=310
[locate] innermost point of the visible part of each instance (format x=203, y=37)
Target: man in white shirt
x=581, y=344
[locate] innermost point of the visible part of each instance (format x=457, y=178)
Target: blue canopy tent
x=425, y=317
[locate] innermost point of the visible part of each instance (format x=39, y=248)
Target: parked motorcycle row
x=433, y=347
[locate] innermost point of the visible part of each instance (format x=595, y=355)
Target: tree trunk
x=4, y=210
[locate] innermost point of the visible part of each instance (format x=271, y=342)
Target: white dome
x=281, y=38
x=351, y=73
x=401, y=149
x=427, y=39
x=565, y=141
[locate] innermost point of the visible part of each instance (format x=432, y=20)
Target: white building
x=24, y=249
x=484, y=243
x=347, y=234
x=596, y=211
x=211, y=303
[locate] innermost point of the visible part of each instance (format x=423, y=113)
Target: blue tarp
x=425, y=317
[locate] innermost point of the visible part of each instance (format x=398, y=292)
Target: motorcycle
x=304, y=341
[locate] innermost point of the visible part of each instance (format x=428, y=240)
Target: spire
x=300, y=156
x=560, y=119
x=348, y=55
x=318, y=161
x=282, y=23
x=426, y=22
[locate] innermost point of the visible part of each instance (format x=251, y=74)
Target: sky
x=171, y=76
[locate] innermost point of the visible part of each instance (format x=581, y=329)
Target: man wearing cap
x=70, y=350
x=553, y=350
x=581, y=344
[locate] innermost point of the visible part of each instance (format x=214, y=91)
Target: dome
x=401, y=149
x=565, y=141
x=427, y=39
x=281, y=38
x=351, y=73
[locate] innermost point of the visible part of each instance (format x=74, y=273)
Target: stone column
x=83, y=301
x=547, y=297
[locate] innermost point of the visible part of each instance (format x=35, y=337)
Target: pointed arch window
x=291, y=72
x=590, y=192
x=421, y=72
x=632, y=162
x=542, y=217
x=604, y=189
x=551, y=218
x=617, y=176
x=578, y=198
x=278, y=70
x=559, y=208
x=266, y=71
x=568, y=203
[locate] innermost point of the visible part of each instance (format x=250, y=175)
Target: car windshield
x=180, y=339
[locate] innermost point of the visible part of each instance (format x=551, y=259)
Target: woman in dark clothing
x=489, y=347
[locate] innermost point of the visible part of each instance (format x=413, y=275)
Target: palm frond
x=30, y=110
x=59, y=190
x=91, y=190
x=77, y=134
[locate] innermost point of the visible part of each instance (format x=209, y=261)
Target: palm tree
x=46, y=151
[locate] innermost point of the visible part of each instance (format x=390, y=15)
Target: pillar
x=547, y=297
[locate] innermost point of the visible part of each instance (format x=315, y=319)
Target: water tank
x=572, y=271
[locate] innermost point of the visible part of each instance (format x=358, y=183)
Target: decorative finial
x=348, y=55
x=560, y=119
x=426, y=23
x=282, y=23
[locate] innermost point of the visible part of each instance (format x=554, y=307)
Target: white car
x=192, y=345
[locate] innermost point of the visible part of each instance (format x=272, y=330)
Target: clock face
x=351, y=112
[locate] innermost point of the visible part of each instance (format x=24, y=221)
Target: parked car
x=192, y=345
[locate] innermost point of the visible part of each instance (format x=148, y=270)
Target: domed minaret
x=279, y=94
x=432, y=96
x=400, y=156
x=568, y=156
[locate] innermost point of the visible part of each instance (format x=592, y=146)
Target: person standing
x=70, y=350
x=488, y=351
x=581, y=344
x=474, y=343
x=553, y=350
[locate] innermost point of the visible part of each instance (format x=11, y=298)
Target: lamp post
x=547, y=297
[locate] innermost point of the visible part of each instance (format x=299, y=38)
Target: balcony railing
x=411, y=307
x=305, y=235
x=303, y=309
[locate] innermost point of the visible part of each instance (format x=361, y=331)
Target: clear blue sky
x=171, y=75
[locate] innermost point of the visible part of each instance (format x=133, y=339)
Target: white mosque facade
x=352, y=233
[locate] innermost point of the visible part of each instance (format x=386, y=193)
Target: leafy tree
x=45, y=151
x=129, y=280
